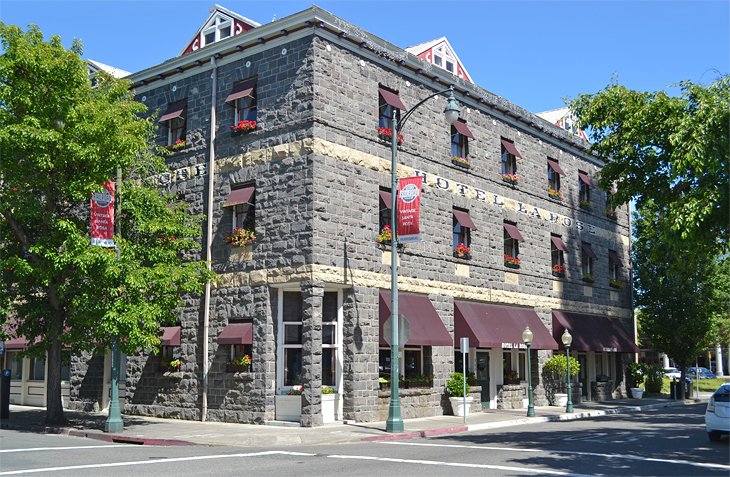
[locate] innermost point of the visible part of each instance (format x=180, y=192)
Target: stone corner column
x=312, y=297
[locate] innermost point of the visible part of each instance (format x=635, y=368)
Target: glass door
x=483, y=376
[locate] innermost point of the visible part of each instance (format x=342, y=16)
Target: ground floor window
x=15, y=364
x=415, y=364
x=37, y=369
x=514, y=366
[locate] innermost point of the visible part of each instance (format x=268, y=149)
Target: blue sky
x=531, y=53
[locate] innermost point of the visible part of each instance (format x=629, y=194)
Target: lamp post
x=527, y=338
x=451, y=113
x=567, y=340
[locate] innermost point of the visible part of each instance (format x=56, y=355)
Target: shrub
x=554, y=374
x=455, y=385
x=654, y=378
x=635, y=372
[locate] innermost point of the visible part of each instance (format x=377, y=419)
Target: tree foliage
x=61, y=138
x=672, y=151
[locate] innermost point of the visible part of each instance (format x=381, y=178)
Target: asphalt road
x=666, y=442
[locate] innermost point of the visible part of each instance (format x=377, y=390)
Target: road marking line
x=459, y=464
x=549, y=451
x=66, y=448
x=153, y=461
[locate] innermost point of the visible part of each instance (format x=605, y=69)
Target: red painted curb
x=444, y=430
x=393, y=437
x=122, y=439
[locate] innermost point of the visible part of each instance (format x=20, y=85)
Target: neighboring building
x=565, y=119
x=278, y=124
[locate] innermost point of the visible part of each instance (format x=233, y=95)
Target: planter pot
x=288, y=408
x=461, y=164
x=637, y=393
x=561, y=399
x=330, y=406
x=457, y=405
x=514, y=266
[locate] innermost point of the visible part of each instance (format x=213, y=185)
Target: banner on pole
x=102, y=216
x=409, y=209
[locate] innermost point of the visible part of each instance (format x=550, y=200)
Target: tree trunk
x=54, y=407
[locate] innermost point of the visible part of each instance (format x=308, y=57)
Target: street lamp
x=527, y=338
x=451, y=113
x=567, y=340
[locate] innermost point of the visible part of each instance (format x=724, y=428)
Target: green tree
x=672, y=151
x=681, y=290
x=61, y=138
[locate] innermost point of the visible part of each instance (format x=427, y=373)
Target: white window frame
x=170, y=139
x=239, y=107
x=586, y=262
x=215, y=26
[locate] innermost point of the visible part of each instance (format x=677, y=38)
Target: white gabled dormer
x=440, y=53
x=221, y=24
x=565, y=119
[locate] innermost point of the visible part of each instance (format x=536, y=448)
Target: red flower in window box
x=462, y=251
x=511, y=179
x=461, y=161
x=559, y=270
x=387, y=134
x=512, y=262
x=244, y=126
x=240, y=237
x=179, y=144
x=554, y=194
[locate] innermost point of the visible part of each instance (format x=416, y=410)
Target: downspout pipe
x=209, y=236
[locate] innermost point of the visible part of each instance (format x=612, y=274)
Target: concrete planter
x=561, y=399
x=457, y=405
x=288, y=408
x=637, y=393
x=330, y=405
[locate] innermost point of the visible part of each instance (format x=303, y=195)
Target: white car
x=672, y=373
x=717, y=415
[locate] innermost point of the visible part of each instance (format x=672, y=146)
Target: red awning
x=461, y=127
x=170, y=336
x=498, y=326
x=427, y=329
x=511, y=148
x=174, y=110
x=559, y=244
x=392, y=99
x=513, y=232
x=593, y=332
x=464, y=219
x=239, y=196
x=584, y=178
x=16, y=343
x=556, y=167
x=236, y=334
x=588, y=250
x=614, y=256
x=242, y=90
x=387, y=199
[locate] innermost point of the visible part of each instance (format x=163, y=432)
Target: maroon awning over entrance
x=236, y=334
x=170, y=336
x=497, y=326
x=427, y=329
x=593, y=332
x=16, y=343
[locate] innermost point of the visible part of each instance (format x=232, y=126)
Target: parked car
x=703, y=372
x=672, y=373
x=717, y=415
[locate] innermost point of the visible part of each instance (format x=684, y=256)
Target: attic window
x=218, y=29
x=450, y=66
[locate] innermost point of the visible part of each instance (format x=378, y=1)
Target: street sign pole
x=464, y=350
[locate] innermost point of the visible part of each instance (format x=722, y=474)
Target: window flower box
x=244, y=126
x=414, y=382
x=241, y=237
x=584, y=204
x=554, y=194
x=558, y=271
x=462, y=251
x=588, y=278
x=462, y=162
x=512, y=262
x=386, y=134
x=616, y=283
x=383, y=383
x=288, y=407
x=511, y=179
x=176, y=146
x=612, y=214
x=239, y=364
x=170, y=367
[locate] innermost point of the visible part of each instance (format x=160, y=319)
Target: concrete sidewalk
x=153, y=431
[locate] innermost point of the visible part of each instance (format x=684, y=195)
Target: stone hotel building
x=273, y=132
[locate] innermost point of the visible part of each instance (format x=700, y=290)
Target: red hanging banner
x=102, y=216
x=409, y=209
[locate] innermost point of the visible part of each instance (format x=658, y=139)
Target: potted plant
x=511, y=179
x=385, y=237
x=635, y=372
x=558, y=270
x=616, y=283
x=512, y=262
x=241, y=237
x=244, y=126
x=386, y=134
x=584, y=204
x=587, y=277
x=461, y=162
x=554, y=373
x=170, y=365
x=511, y=377
x=177, y=145
x=462, y=251
x=554, y=194
x=383, y=383
x=455, y=390
x=239, y=363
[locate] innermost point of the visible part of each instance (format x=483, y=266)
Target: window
x=174, y=119
x=244, y=215
x=557, y=251
x=449, y=66
x=459, y=361
x=243, y=100
x=512, y=239
x=613, y=266
x=37, y=369
x=239, y=350
x=584, y=189
x=385, y=202
x=415, y=361
x=437, y=60
x=554, y=171
x=513, y=366
x=463, y=225
x=586, y=260
x=509, y=158
x=15, y=364
x=330, y=340
x=460, y=135
x=217, y=30
x=242, y=200
x=292, y=338
x=388, y=101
